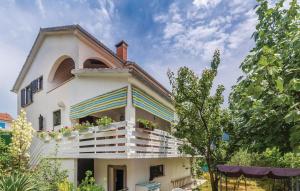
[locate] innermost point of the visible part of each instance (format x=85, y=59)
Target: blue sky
x=161, y=35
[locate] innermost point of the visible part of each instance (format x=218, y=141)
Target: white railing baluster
x=129, y=141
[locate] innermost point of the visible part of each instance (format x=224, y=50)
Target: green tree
x=201, y=120
x=266, y=100
x=5, y=159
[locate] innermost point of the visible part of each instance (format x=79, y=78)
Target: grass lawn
x=251, y=185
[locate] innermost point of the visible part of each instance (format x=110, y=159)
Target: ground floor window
x=56, y=118
x=156, y=171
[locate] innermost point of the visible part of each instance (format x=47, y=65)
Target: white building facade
x=70, y=77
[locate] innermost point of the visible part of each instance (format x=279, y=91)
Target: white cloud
x=172, y=29
x=207, y=25
x=206, y=3
x=19, y=27
x=243, y=31
x=41, y=7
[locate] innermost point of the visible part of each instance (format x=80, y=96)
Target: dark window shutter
x=41, y=122
x=34, y=86
x=31, y=95
x=22, y=97
x=41, y=83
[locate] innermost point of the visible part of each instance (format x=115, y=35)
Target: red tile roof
x=5, y=117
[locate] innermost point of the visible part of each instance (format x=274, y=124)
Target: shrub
x=88, y=183
x=104, y=121
x=48, y=174
x=66, y=131
x=241, y=158
x=5, y=159
x=83, y=127
x=18, y=182
x=53, y=134
x=65, y=186
x=146, y=124
x=42, y=135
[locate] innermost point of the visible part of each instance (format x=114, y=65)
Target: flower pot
x=47, y=139
x=59, y=137
x=103, y=128
x=142, y=126
x=74, y=134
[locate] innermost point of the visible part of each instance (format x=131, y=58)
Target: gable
x=85, y=47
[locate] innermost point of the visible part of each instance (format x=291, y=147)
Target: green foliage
x=43, y=135
x=6, y=136
x=241, y=158
x=5, y=159
x=266, y=101
x=48, y=174
x=88, y=183
x=17, y=182
x=201, y=120
x=269, y=158
x=146, y=124
x=66, y=131
x=104, y=121
x=83, y=127
x=54, y=134
x=65, y=185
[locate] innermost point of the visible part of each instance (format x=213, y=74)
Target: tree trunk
x=213, y=179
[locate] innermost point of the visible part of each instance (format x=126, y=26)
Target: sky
x=161, y=35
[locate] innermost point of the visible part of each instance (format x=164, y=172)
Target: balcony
x=120, y=140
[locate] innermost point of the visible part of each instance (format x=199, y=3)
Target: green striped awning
x=148, y=103
x=104, y=102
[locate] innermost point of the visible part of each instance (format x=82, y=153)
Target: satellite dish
x=61, y=104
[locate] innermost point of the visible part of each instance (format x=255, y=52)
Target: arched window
x=63, y=72
x=93, y=63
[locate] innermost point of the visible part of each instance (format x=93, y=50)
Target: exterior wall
x=70, y=92
x=138, y=171
x=71, y=166
x=5, y=124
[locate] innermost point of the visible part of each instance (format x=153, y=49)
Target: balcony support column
x=129, y=109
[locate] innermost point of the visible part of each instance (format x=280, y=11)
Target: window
x=156, y=171
x=2, y=125
x=56, y=118
x=27, y=93
x=41, y=123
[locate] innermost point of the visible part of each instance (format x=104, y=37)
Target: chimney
x=122, y=50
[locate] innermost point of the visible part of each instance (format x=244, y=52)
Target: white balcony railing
x=119, y=140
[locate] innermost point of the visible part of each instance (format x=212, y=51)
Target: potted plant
x=104, y=122
x=146, y=124
x=66, y=131
x=84, y=128
x=45, y=136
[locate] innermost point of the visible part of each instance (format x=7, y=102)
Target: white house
x=70, y=77
x=5, y=121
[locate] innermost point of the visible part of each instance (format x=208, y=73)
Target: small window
x=41, y=123
x=56, y=118
x=2, y=125
x=40, y=83
x=28, y=95
x=156, y=171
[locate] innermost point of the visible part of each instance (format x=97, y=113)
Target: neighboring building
x=5, y=121
x=70, y=77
